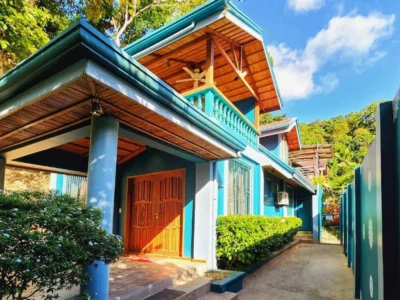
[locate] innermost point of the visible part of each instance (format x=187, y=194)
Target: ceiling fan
x=195, y=76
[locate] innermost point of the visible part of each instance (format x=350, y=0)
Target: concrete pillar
x=101, y=190
x=205, y=214
x=2, y=173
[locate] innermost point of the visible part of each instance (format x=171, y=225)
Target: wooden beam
x=238, y=72
x=182, y=61
x=177, y=50
x=210, y=62
x=222, y=37
x=132, y=155
x=45, y=118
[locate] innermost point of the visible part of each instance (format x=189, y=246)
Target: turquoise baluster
x=209, y=103
x=199, y=102
x=191, y=99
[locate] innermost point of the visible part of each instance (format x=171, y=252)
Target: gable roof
x=182, y=43
x=289, y=127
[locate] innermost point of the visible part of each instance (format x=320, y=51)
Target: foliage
x=46, y=240
x=243, y=240
x=22, y=179
x=267, y=118
x=128, y=20
x=25, y=26
x=351, y=136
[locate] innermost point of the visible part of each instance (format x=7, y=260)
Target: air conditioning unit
x=283, y=198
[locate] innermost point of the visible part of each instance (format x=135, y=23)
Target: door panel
x=157, y=212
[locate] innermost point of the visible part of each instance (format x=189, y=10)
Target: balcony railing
x=214, y=104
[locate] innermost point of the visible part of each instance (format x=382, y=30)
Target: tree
x=46, y=241
x=128, y=20
x=351, y=136
x=25, y=26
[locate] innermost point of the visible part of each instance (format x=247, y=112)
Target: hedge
x=242, y=240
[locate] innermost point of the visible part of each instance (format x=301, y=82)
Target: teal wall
x=222, y=178
x=272, y=143
x=156, y=161
x=270, y=189
x=247, y=108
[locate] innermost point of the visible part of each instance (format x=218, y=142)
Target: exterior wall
x=222, y=183
x=271, y=183
x=247, y=108
x=153, y=161
x=273, y=144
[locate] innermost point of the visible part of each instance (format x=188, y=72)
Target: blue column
x=101, y=188
x=2, y=173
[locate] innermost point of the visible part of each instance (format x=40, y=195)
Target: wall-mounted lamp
x=97, y=110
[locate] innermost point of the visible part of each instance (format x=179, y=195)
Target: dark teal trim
x=82, y=41
x=197, y=15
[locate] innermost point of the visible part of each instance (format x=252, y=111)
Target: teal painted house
x=162, y=135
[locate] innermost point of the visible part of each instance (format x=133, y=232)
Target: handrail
x=214, y=104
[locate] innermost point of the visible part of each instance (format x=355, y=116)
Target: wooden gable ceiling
x=190, y=51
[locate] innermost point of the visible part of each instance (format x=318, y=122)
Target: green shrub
x=46, y=240
x=244, y=240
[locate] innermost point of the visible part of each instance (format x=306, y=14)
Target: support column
x=2, y=173
x=205, y=214
x=101, y=190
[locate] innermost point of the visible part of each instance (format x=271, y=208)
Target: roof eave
x=82, y=41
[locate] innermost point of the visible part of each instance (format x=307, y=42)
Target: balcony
x=215, y=105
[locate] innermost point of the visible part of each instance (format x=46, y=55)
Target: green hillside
x=350, y=135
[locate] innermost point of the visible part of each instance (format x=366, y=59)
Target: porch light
x=97, y=110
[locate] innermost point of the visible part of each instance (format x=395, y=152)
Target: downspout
x=168, y=39
x=214, y=214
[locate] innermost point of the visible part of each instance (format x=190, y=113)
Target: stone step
x=216, y=296
x=191, y=290
x=157, y=287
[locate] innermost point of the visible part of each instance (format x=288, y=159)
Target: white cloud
x=351, y=39
x=305, y=5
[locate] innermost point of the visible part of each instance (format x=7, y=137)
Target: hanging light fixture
x=97, y=110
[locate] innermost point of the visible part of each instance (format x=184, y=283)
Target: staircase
x=189, y=285
x=304, y=236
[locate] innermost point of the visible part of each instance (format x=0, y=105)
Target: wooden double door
x=155, y=213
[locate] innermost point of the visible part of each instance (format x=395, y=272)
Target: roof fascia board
x=249, y=29
x=198, y=25
x=274, y=132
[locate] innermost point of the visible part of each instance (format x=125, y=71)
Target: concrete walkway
x=306, y=271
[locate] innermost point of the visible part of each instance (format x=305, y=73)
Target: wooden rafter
x=132, y=155
x=238, y=72
x=176, y=50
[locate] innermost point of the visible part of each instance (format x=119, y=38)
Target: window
x=239, y=188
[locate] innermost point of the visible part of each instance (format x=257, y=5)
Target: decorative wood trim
x=238, y=72
x=210, y=62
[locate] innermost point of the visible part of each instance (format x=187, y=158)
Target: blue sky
x=331, y=57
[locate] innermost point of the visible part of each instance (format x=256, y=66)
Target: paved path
x=306, y=271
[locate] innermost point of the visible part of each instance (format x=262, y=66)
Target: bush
x=46, y=240
x=244, y=240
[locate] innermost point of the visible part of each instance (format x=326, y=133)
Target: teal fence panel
x=349, y=226
x=370, y=209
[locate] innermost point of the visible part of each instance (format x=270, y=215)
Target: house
x=166, y=130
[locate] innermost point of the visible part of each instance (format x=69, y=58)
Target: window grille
x=239, y=188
